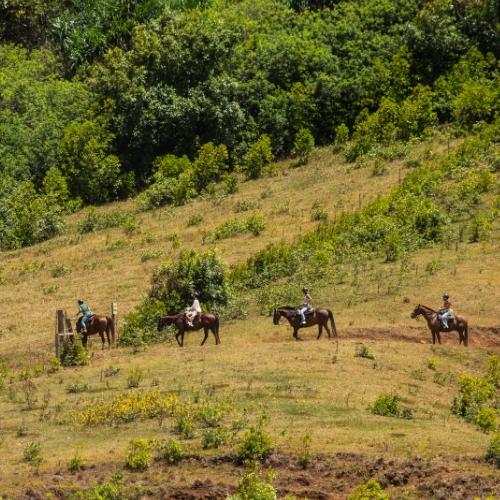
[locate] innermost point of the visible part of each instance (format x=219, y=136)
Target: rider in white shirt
x=193, y=311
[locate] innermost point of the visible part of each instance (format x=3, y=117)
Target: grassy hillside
x=313, y=388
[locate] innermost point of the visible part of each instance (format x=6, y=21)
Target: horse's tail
x=110, y=328
x=332, y=321
x=216, y=324
x=466, y=333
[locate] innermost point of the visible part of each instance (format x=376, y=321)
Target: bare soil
x=327, y=476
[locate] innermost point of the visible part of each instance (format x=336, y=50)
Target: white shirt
x=196, y=306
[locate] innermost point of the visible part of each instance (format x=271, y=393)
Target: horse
x=98, y=324
x=457, y=324
x=207, y=321
x=318, y=317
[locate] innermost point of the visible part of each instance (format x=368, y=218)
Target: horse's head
x=276, y=317
x=416, y=312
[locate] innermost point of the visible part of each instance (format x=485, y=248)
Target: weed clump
x=33, y=454
x=74, y=354
x=77, y=463
x=139, y=454
x=305, y=453
x=171, y=452
x=487, y=419
x=253, y=486
x=492, y=374
x=256, y=444
x=493, y=450
x=474, y=392
x=214, y=437
x=77, y=387
x=363, y=351
x=387, y=405
x=369, y=491
x=135, y=377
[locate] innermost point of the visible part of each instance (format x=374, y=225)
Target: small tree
x=259, y=157
x=210, y=165
x=303, y=145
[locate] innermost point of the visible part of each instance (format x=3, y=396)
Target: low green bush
x=214, y=437
x=474, y=392
x=139, y=455
x=33, y=454
x=135, y=377
x=493, y=450
x=77, y=463
x=492, y=372
x=171, y=452
x=363, y=351
x=77, y=387
x=253, y=486
x=487, y=419
x=74, y=354
x=256, y=444
x=369, y=491
x=386, y=405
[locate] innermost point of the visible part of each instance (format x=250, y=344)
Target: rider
x=193, y=311
x=87, y=313
x=307, y=306
x=446, y=312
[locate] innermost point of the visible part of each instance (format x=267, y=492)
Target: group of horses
x=210, y=323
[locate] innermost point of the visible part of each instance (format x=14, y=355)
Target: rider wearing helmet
x=306, y=307
x=446, y=312
x=193, y=311
x=87, y=314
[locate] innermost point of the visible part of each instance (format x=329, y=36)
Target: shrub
x=210, y=165
x=369, y=491
x=341, y=136
x=432, y=364
x=492, y=374
x=60, y=270
x=171, y=452
x=245, y=205
x=77, y=387
x=256, y=224
x=386, y=405
x=253, y=487
x=54, y=365
x=473, y=393
x=184, y=424
x=194, y=220
x=256, y=444
x=135, y=377
x=363, y=351
x=74, y=354
x=139, y=454
x=214, y=437
x=258, y=158
x=153, y=253
x=229, y=229
x=319, y=214
x=230, y=184
x=32, y=454
x=303, y=145
x=493, y=450
x=487, y=419
x=77, y=463
x=305, y=453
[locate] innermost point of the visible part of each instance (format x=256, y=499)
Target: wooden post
x=114, y=317
x=60, y=320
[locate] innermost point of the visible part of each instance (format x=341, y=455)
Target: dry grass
x=316, y=387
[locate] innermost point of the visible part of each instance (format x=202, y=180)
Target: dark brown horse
x=318, y=317
x=98, y=324
x=457, y=324
x=207, y=321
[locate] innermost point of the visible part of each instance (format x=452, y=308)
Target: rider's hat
x=195, y=295
x=445, y=296
x=80, y=301
x=305, y=290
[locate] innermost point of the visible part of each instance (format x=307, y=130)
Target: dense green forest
x=104, y=100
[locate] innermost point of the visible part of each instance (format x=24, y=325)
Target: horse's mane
x=428, y=308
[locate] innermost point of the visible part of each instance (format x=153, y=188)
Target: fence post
x=60, y=320
x=114, y=317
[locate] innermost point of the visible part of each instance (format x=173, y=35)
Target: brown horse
x=457, y=324
x=207, y=321
x=100, y=325
x=318, y=317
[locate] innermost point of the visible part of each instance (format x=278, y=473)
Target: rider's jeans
x=445, y=316
x=302, y=312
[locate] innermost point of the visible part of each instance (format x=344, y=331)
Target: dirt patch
x=481, y=336
x=327, y=477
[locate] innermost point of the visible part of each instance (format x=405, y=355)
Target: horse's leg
x=327, y=328
x=103, y=342
x=433, y=336
x=84, y=340
x=108, y=338
x=295, y=333
x=438, y=333
x=205, y=332
x=320, y=330
x=177, y=337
